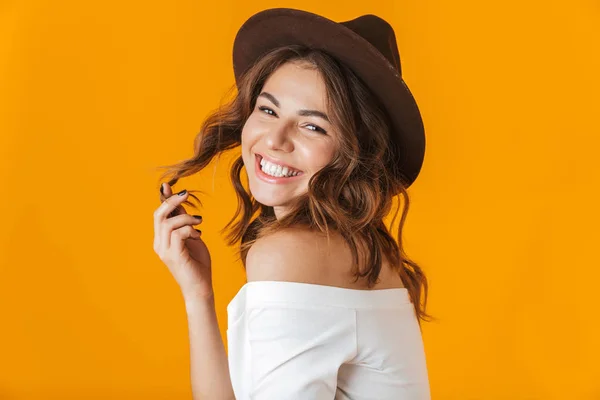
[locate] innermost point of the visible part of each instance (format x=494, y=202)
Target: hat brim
x=272, y=28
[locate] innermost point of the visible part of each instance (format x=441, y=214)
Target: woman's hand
x=180, y=247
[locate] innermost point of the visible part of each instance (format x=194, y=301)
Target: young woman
x=329, y=134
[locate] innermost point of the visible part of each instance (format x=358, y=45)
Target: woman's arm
x=208, y=361
x=179, y=246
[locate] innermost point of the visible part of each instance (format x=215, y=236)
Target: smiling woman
x=329, y=134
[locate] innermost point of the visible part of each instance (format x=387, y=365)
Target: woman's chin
x=266, y=200
x=272, y=195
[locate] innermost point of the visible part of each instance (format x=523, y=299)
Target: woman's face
x=288, y=128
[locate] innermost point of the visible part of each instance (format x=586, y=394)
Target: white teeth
x=276, y=170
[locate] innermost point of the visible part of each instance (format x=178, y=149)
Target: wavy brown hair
x=351, y=195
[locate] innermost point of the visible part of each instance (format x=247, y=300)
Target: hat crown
x=380, y=34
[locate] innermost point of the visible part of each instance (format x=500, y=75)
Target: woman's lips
x=277, y=162
x=272, y=179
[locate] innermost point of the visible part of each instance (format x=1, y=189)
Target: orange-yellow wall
x=504, y=219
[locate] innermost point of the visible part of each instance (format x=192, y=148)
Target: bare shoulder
x=301, y=255
x=298, y=255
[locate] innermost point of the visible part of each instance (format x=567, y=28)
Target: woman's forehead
x=293, y=82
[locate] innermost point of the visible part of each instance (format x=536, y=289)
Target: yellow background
x=94, y=96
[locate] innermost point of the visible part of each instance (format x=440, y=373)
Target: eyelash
x=319, y=129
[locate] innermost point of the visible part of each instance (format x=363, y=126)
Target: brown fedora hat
x=367, y=44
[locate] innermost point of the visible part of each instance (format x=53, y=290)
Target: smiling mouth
x=278, y=172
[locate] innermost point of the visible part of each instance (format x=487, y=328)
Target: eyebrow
x=303, y=112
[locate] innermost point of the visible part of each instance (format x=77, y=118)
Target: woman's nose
x=278, y=138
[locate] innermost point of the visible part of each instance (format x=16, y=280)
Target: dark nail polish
x=161, y=189
x=182, y=192
x=199, y=231
x=197, y=216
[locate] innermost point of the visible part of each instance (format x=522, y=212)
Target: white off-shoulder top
x=291, y=340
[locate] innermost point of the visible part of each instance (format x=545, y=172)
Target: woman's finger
x=179, y=236
x=181, y=220
x=161, y=213
x=170, y=204
x=167, y=192
x=163, y=239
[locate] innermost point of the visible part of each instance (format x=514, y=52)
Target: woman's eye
x=271, y=112
x=317, y=129
x=263, y=108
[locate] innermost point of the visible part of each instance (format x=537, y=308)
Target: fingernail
x=199, y=231
x=182, y=192
x=162, y=188
x=197, y=216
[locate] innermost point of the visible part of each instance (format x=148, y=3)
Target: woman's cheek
x=252, y=126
